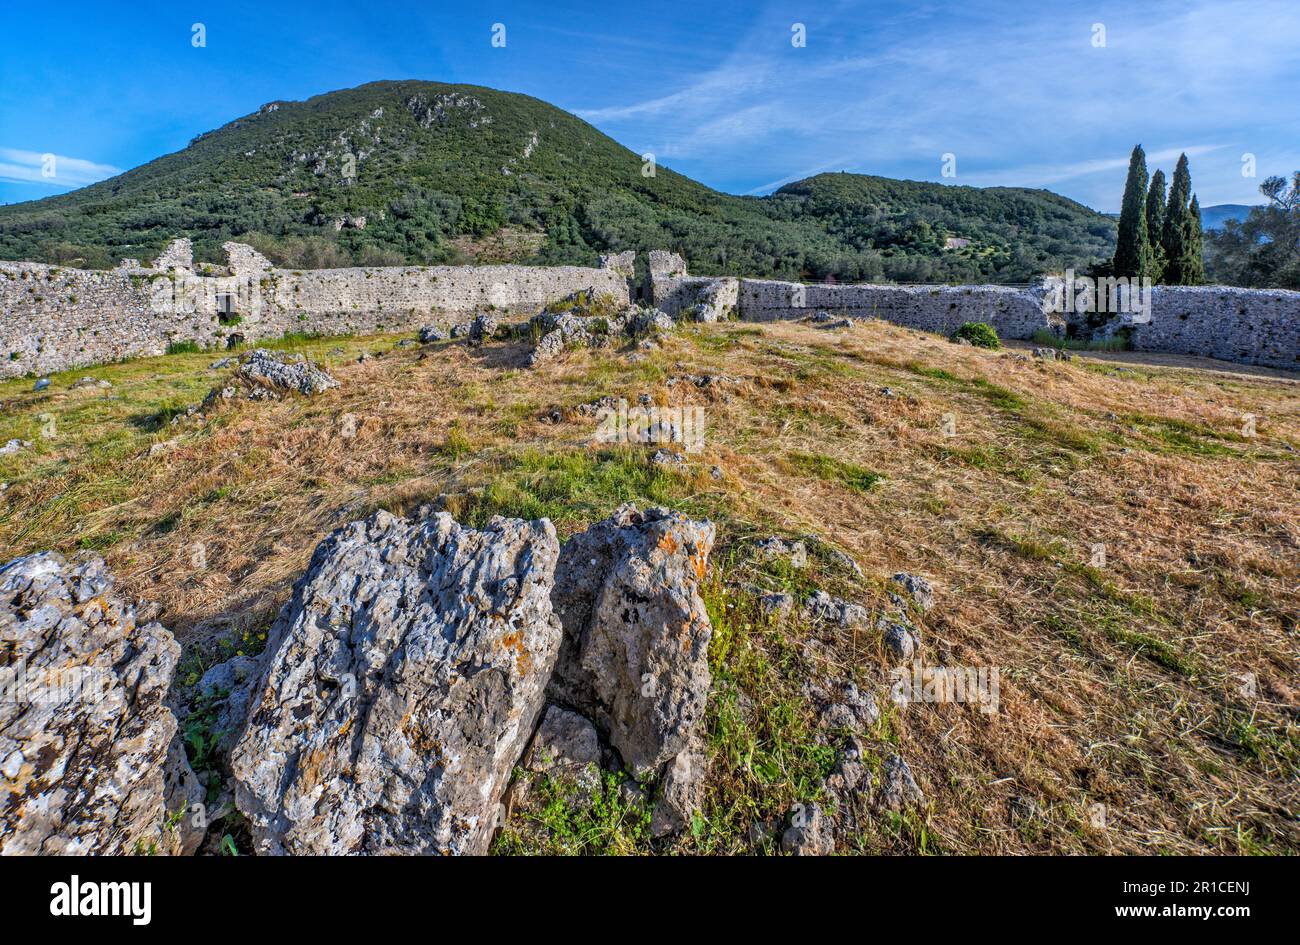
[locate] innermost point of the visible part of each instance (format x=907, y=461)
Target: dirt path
x=1161, y=359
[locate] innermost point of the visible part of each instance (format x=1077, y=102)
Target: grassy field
x=1119, y=542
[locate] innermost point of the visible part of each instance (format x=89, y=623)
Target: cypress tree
x=1174, y=235
x=1193, y=262
x=1132, y=254
x=1156, y=223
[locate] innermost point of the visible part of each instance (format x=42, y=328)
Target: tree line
x=1264, y=249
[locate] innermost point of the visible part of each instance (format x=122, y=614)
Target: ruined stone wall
x=342, y=301
x=53, y=318
x=1014, y=313
x=1250, y=326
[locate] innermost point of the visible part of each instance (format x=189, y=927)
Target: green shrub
x=980, y=334
x=183, y=347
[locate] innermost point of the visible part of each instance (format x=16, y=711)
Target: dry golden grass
x=1121, y=685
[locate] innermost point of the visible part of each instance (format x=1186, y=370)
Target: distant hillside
x=457, y=173
x=1213, y=218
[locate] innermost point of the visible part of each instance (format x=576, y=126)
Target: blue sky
x=1019, y=92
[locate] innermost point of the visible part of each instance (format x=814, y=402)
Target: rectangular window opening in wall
x=227, y=309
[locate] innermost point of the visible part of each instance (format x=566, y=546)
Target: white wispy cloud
x=51, y=170
x=1018, y=93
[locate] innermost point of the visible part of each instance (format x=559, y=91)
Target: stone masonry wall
x=1014, y=313
x=54, y=318
x=1249, y=326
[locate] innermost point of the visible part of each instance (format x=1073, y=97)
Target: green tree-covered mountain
x=455, y=173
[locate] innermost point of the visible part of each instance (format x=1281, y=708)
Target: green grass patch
x=828, y=468
x=557, y=820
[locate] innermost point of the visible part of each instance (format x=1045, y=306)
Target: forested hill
x=429, y=173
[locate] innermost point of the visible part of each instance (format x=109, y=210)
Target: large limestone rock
x=88, y=749
x=403, y=681
x=636, y=638
x=276, y=371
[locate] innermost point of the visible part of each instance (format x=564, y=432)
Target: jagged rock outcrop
x=636, y=637
x=403, y=681
x=278, y=372
x=88, y=747
x=588, y=325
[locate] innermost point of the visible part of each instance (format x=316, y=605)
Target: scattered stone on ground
x=90, y=382
x=811, y=832
x=430, y=333
x=918, y=589
x=14, y=446
x=821, y=607
x=774, y=548
x=841, y=705
x=899, y=789
x=42, y=384
x=776, y=606
x=850, y=778
x=88, y=746
x=900, y=639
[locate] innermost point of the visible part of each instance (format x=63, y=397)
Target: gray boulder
x=88, y=745
x=431, y=333
x=636, y=637
x=547, y=347
x=564, y=741
x=403, y=681
x=278, y=372
x=482, y=328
